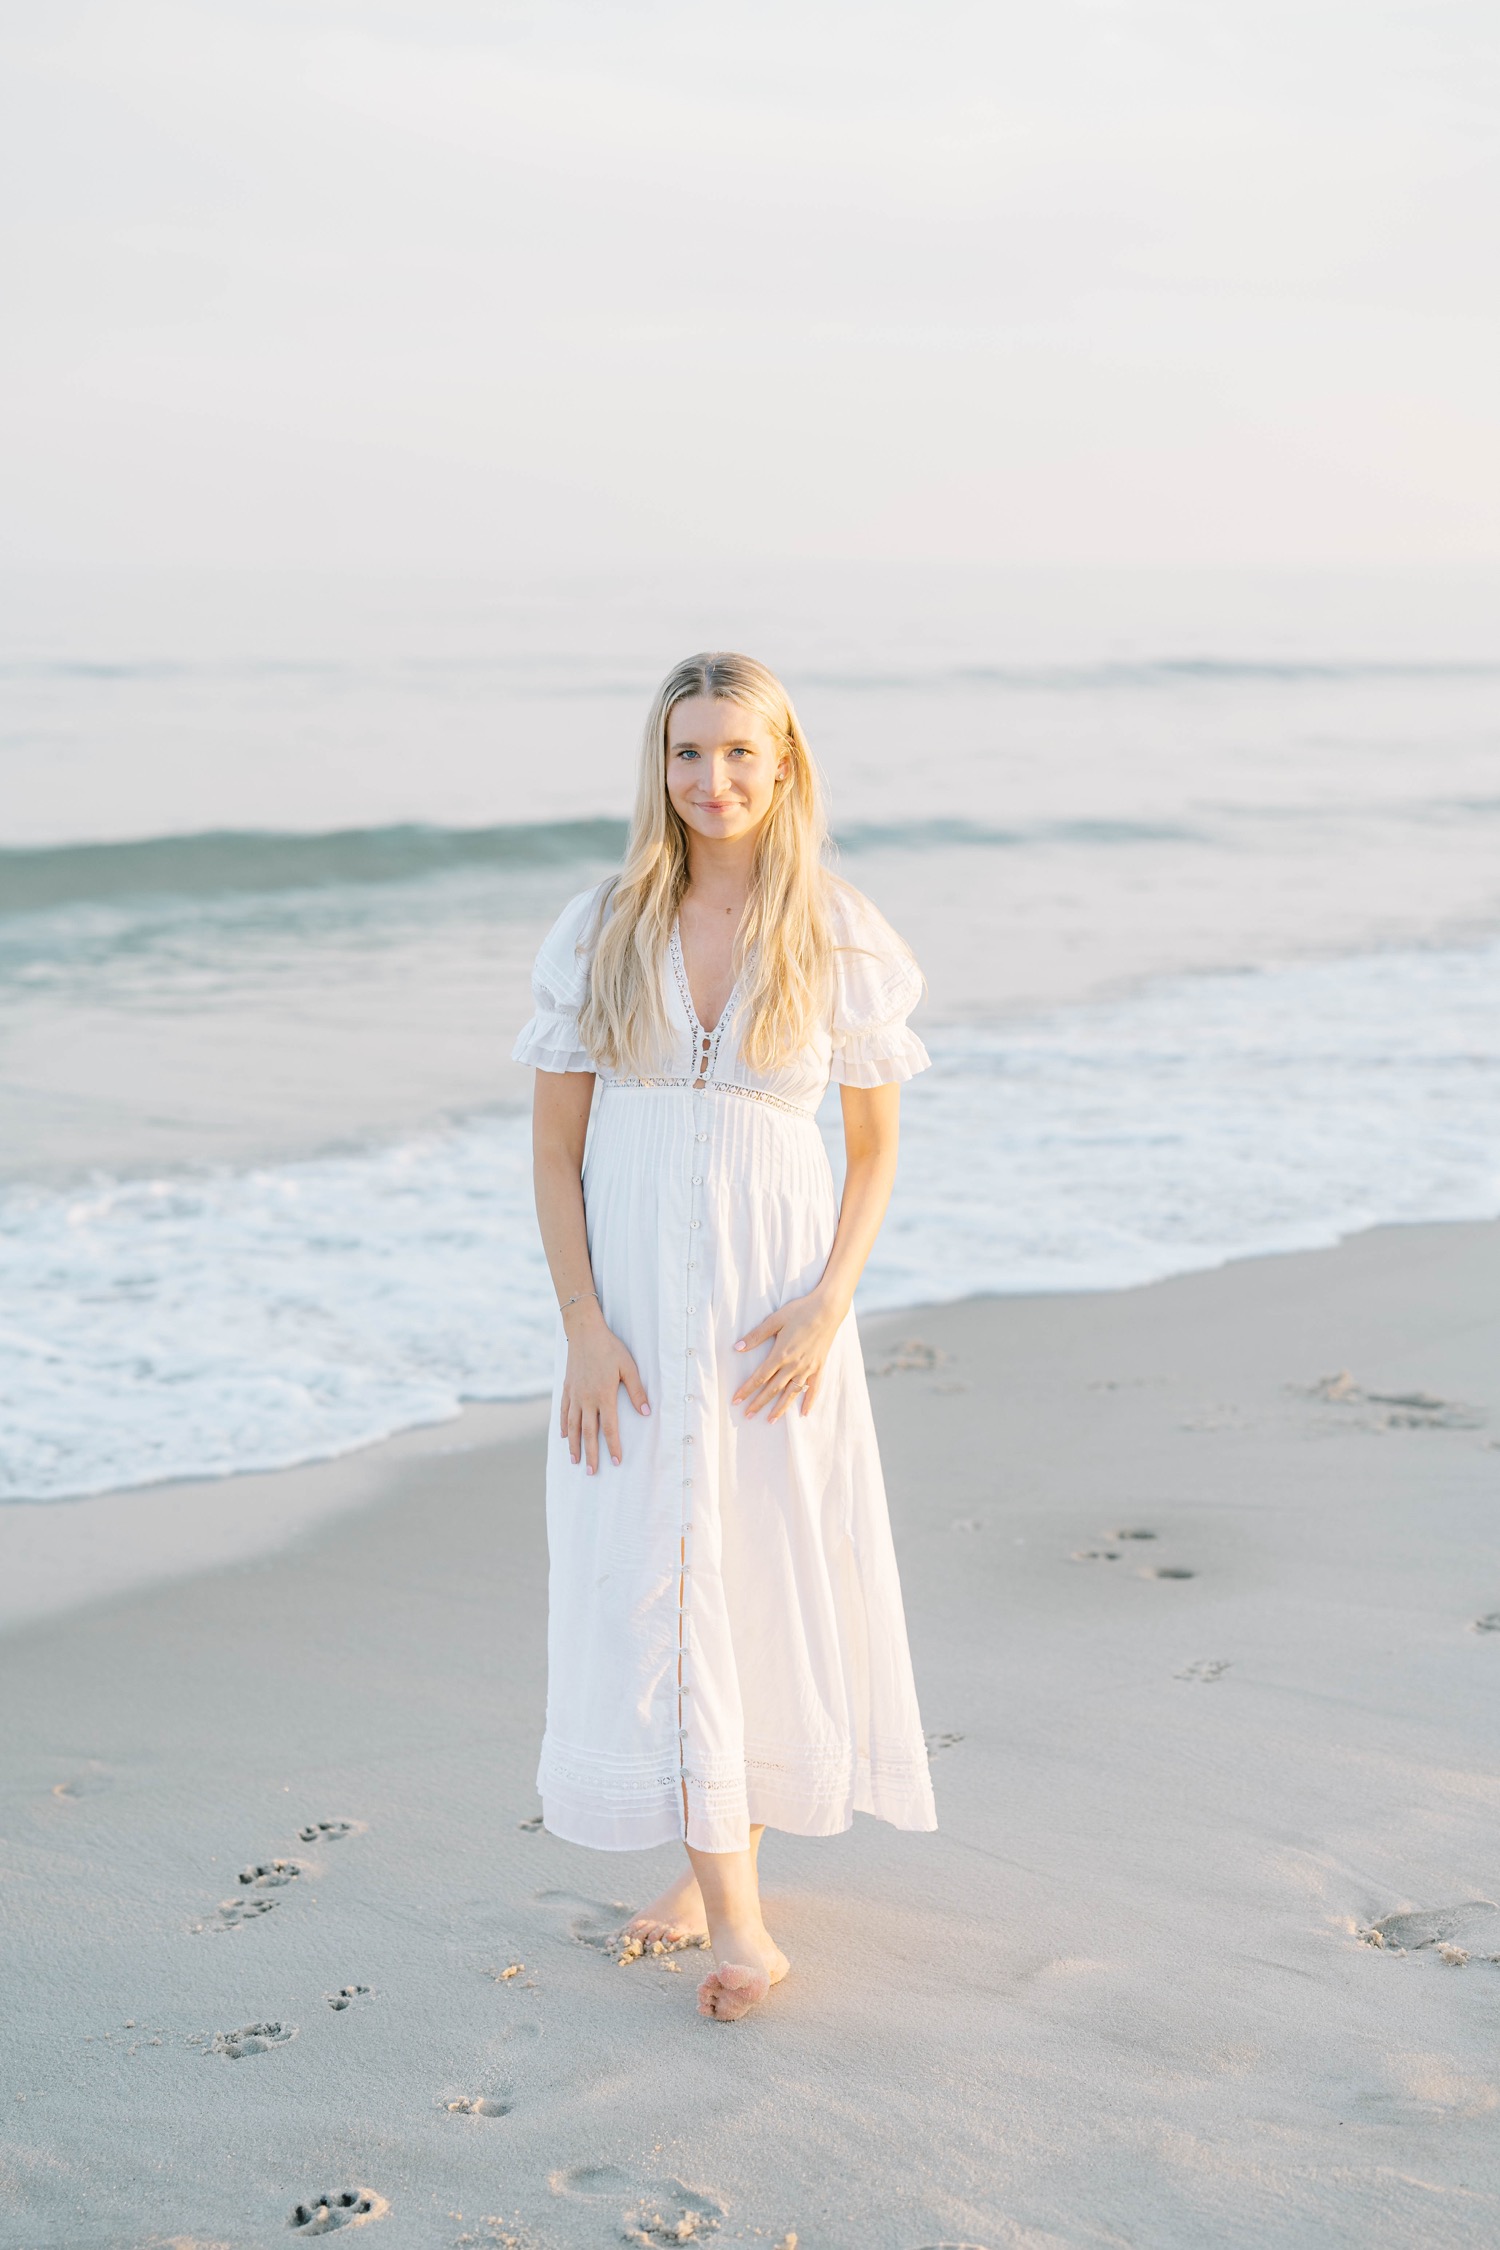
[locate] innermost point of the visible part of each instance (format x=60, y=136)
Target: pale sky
x=452, y=283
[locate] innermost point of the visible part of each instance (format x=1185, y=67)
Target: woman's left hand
x=800, y=1334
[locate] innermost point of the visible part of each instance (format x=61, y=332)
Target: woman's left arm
x=801, y=1332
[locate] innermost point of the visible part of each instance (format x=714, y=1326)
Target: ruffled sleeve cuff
x=550, y=1042
x=878, y=985
x=559, y=987
x=885, y=1057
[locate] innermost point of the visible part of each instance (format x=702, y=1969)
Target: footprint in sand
x=92, y=1782
x=599, y=1926
x=1095, y=1554
x=937, y=1742
x=1204, y=1668
x=590, y=1921
x=1160, y=1571
x=913, y=1357
x=532, y=1827
x=346, y=1996
x=321, y=2214
x=1489, y=1623
x=967, y=1523
x=1473, y=1926
x=1404, y=1410
x=659, y=2211
x=329, y=1831
x=234, y=1911
x=1132, y=1534
x=271, y=1874
x=477, y=2105
x=251, y=2039
x=654, y=2223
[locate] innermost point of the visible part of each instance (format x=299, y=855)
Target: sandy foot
x=676, y=1918
x=749, y=1963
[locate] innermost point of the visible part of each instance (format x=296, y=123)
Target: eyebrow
x=739, y=742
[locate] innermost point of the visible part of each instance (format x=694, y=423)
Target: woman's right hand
x=598, y=1365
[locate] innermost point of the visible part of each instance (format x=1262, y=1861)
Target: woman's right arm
x=598, y=1363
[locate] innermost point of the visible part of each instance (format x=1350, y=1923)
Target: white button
x=683, y=1689
x=697, y=1179
x=688, y=1526
x=703, y=1136
x=695, y=1223
x=692, y=1308
x=690, y=1353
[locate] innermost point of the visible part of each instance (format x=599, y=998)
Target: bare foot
x=749, y=1962
x=676, y=1918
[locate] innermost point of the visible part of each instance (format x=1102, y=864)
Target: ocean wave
x=226, y=862
x=199, y=1324
x=220, y=862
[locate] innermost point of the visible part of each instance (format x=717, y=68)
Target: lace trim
x=759, y=1094
x=618, y=1784
x=685, y=994
x=717, y=1086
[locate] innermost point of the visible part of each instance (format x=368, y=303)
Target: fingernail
x=739, y=1347
x=590, y=1470
x=646, y=1409
x=616, y=1459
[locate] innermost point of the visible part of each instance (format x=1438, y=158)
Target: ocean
x=1203, y=871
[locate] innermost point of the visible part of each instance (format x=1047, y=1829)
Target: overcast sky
x=1027, y=280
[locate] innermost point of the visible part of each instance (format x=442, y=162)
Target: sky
x=566, y=282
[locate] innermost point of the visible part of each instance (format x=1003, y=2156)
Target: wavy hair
x=784, y=951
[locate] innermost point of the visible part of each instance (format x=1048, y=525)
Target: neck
x=721, y=874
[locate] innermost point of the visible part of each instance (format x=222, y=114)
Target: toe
x=732, y=1991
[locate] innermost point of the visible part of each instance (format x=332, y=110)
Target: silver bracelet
x=577, y=1296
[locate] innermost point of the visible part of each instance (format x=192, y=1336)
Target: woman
x=726, y=1644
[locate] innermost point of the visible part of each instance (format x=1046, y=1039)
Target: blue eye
x=687, y=753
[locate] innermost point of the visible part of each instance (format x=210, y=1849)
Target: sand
x=1126, y=1995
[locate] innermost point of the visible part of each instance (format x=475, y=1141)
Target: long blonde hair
x=784, y=952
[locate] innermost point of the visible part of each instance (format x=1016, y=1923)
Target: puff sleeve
x=877, y=984
x=559, y=985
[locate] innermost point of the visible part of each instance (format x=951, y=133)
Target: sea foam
x=224, y=1320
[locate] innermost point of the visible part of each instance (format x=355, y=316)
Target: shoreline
x=73, y=1553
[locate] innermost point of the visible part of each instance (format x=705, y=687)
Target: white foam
x=196, y=1325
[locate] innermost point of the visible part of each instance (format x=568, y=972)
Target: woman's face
x=723, y=764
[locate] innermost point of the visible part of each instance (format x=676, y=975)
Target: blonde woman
x=726, y=1645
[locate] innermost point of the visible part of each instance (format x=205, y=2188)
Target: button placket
x=702, y=1083
x=697, y=1181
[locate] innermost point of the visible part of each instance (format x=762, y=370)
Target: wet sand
x=1204, y=1591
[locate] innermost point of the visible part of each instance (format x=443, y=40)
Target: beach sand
x=1200, y=1641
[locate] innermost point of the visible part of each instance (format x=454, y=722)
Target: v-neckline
x=684, y=986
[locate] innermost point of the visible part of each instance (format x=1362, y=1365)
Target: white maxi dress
x=726, y=1642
